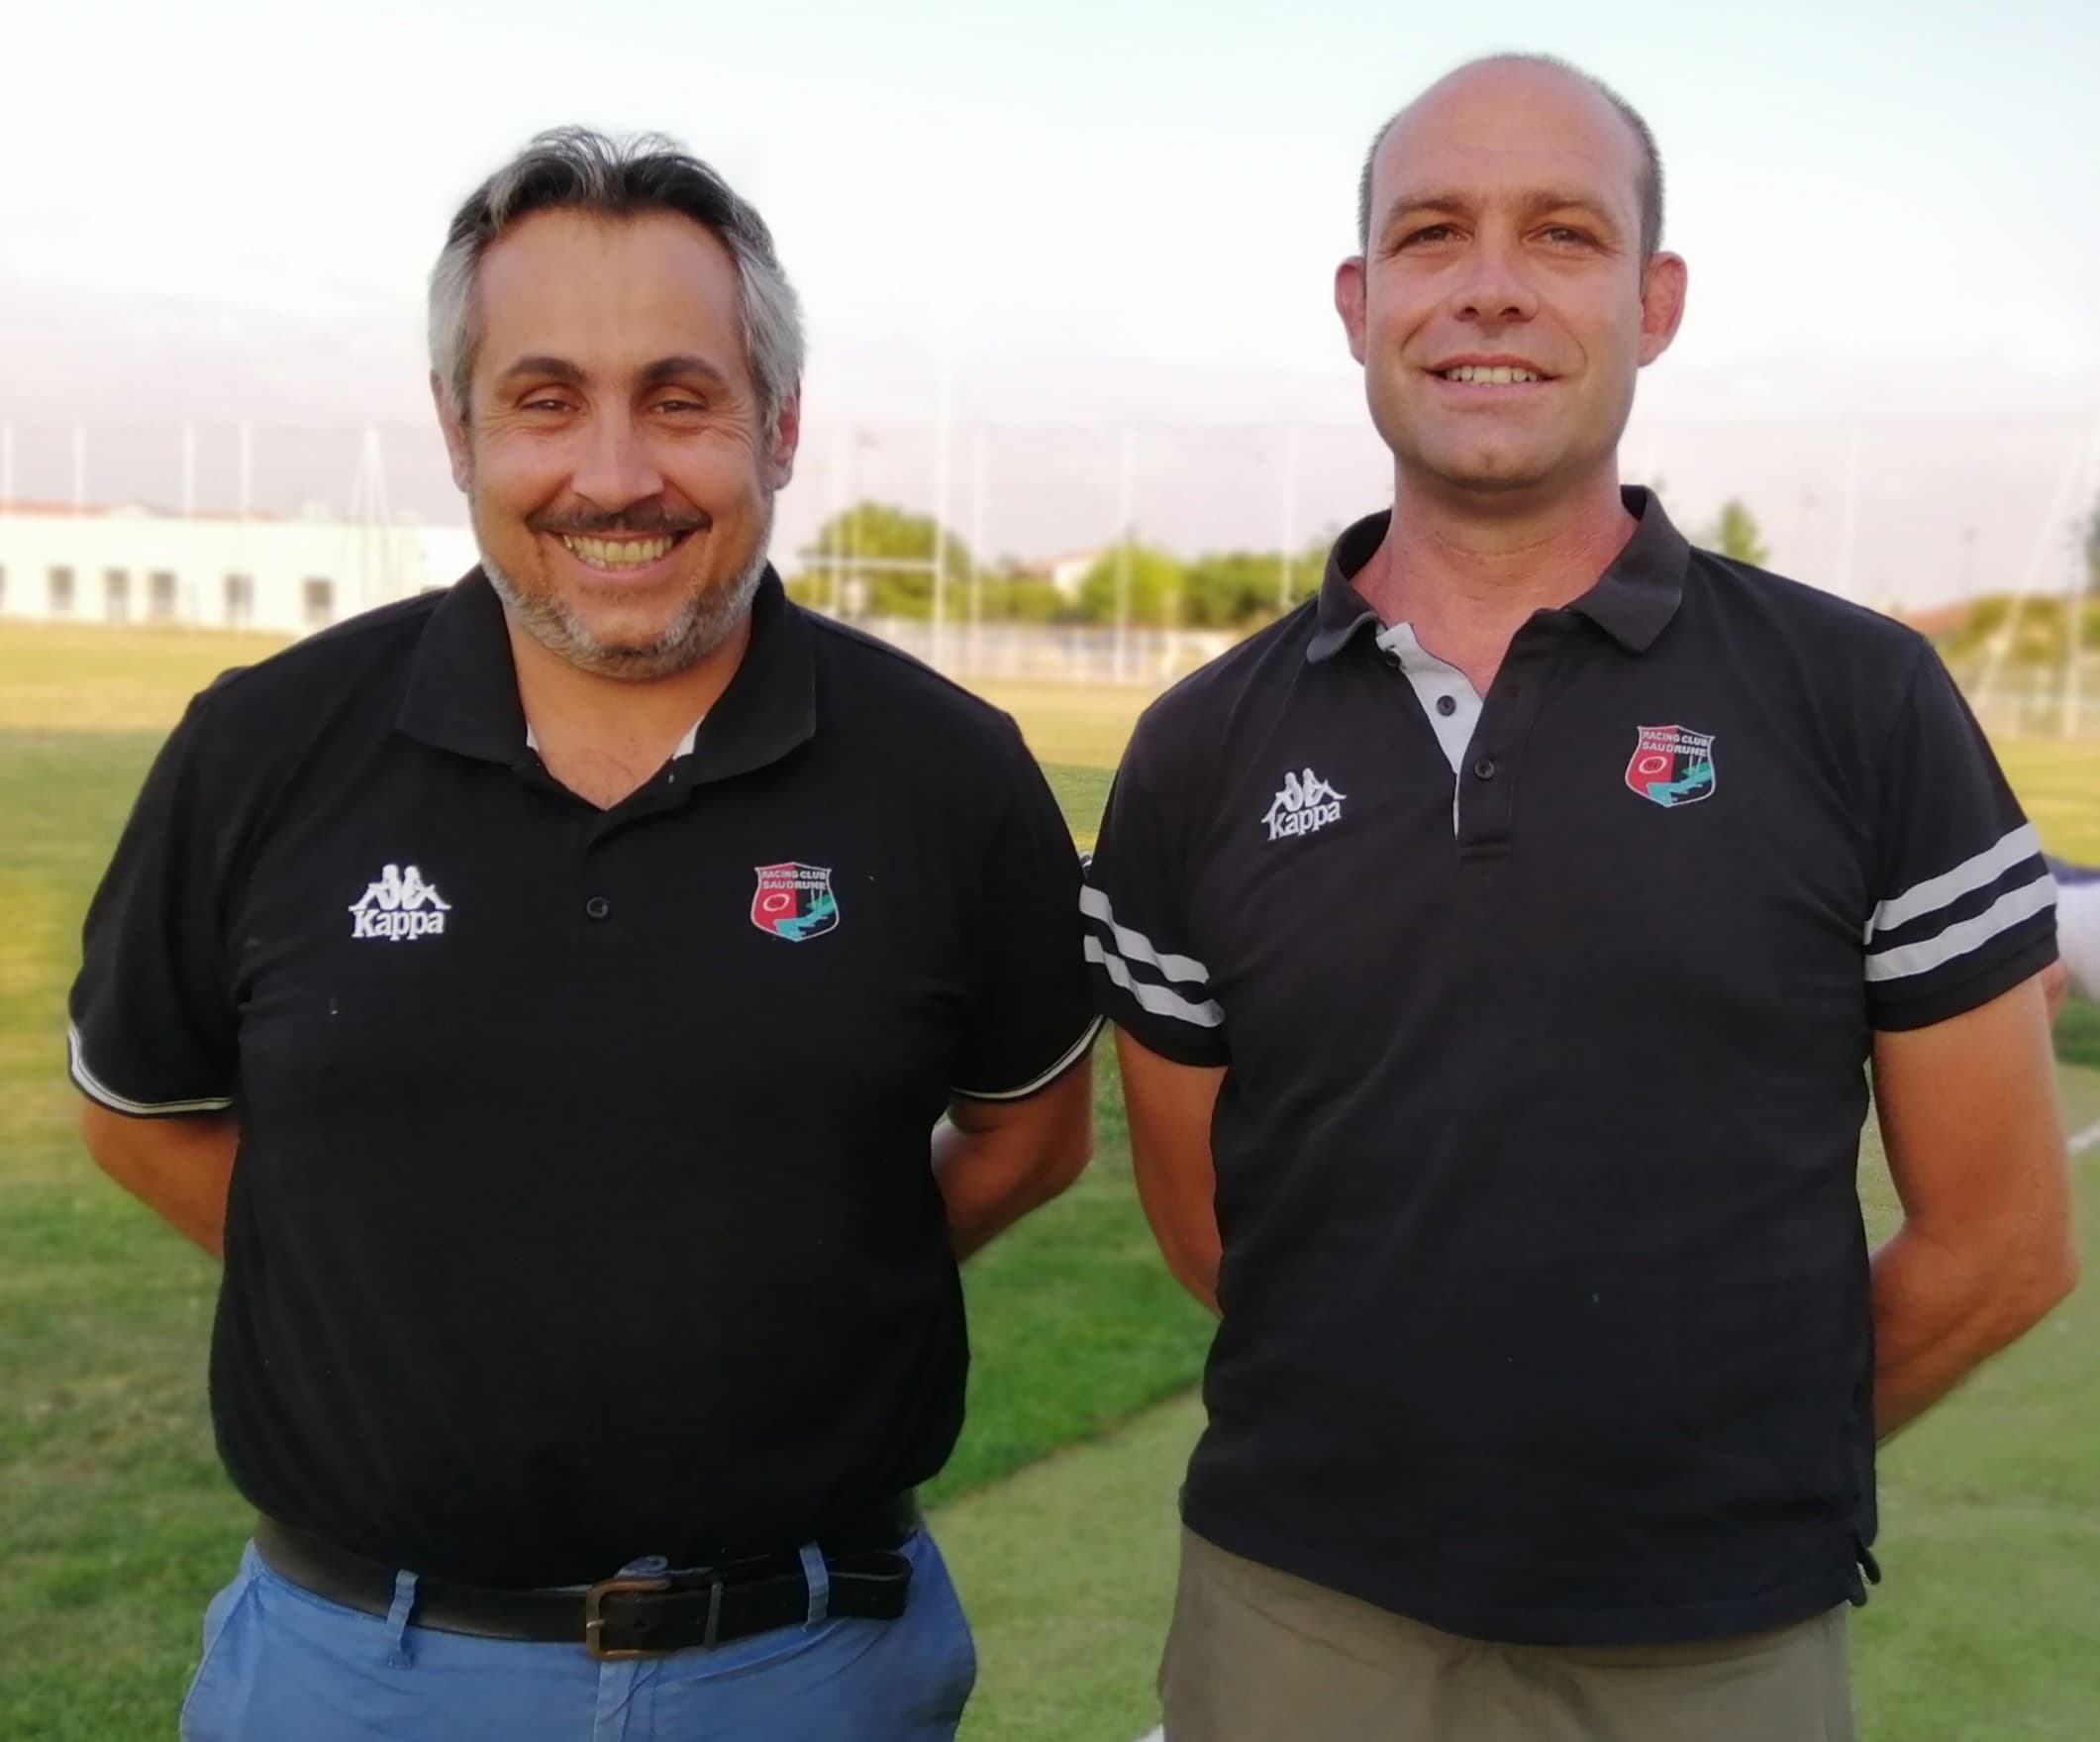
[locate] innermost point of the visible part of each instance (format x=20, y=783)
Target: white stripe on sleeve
x=1136, y=946
x=1158, y=999
x=95, y=1089
x=1972, y=934
x=1971, y=873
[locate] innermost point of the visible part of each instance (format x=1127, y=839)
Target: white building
x=213, y=572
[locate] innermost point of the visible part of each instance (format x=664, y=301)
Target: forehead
x=608, y=293
x=1509, y=128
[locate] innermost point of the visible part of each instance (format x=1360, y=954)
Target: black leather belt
x=626, y=1617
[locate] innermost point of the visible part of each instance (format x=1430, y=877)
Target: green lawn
x=114, y=1523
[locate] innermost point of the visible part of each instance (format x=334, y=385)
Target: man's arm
x=1968, y=1115
x=995, y=1161
x=178, y=1166
x=1170, y=1108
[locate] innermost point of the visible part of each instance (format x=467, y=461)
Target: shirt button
x=598, y=907
x=1483, y=770
x=1447, y=704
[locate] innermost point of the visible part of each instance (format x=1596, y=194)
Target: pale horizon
x=1090, y=223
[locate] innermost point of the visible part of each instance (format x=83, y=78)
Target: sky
x=1086, y=219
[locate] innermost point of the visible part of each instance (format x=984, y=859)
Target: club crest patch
x=795, y=901
x=1671, y=766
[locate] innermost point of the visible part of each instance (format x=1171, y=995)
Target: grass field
x=1057, y=1512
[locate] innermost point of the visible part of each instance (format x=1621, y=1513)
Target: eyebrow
x=684, y=367
x=1533, y=201
x=555, y=368
x=664, y=369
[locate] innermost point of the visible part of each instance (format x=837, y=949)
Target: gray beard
x=701, y=626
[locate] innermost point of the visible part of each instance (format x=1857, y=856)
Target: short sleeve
x=152, y=1030
x=1033, y=1021
x=1145, y=978
x=1965, y=907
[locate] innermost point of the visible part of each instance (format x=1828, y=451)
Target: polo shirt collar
x=1633, y=600
x=462, y=686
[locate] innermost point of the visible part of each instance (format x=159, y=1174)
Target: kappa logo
x=399, y=906
x=1671, y=766
x=1305, y=804
x=794, y=902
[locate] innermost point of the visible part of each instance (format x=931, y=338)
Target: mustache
x=643, y=517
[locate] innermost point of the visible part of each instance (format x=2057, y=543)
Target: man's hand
x=1170, y=1108
x=180, y=1166
x=995, y=1161
x=1968, y=1115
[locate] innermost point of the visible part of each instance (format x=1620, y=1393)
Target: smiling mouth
x=1489, y=376
x=618, y=554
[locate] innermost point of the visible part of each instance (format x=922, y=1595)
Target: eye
x=1566, y=235
x=545, y=402
x=1428, y=233
x=681, y=403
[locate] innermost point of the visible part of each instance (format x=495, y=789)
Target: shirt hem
x=1655, y=1624
x=1036, y=1086
x=91, y=1085
x=1992, y=979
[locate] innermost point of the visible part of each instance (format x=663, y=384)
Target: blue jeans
x=283, y=1665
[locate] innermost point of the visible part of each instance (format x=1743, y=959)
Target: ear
x=451, y=419
x=780, y=462
x=1350, y=286
x=1663, y=283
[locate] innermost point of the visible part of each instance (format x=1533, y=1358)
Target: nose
x=616, y=468
x=1492, y=288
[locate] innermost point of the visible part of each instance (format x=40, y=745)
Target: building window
x=161, y=596
x=117, y=594
x=320, y=603
x=61, y=582
x=239, y=600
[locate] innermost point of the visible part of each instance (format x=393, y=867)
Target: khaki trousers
x=1256, y=1655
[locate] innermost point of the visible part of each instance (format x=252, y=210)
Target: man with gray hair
x=543, y=993
x=1499, y=947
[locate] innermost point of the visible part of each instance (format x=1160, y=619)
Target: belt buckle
x=594, y=1618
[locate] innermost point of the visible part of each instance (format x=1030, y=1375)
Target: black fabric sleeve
x=1033, y=1021
x=1965, y=907
x=1145, y=976
x=153, y=1029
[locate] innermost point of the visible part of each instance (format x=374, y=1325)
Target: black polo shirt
x=1545, y=1288
x=583, y=1207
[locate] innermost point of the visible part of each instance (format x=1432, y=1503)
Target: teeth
x=1481, y=375
x=619, y=553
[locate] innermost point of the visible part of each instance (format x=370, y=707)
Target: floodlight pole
x=1290, y=519
x=976, y=547
x=2052, y=520
x=1848, y=534
x=833, y=526
x=943, y=419
x=1123, y=557
x=2074, y=592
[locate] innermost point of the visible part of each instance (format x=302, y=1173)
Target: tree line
x=877, y=559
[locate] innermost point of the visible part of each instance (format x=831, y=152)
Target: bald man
x=1496, y=945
